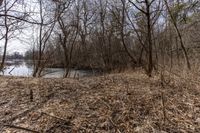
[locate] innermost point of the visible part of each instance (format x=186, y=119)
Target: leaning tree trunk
x=179, y=35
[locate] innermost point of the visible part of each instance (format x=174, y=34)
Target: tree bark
x=6, y=39
x=179, y=35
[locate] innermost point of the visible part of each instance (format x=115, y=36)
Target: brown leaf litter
x=122, y=103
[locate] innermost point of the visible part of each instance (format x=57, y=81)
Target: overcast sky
x=22, y=42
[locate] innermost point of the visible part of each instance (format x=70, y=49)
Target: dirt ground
x=117, y=103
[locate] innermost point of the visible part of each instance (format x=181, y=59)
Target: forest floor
x=122, y=103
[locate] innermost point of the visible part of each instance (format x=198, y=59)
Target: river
x=25, y=69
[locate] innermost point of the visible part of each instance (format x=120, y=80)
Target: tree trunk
x=6, y=39
x=149, y=38
x=180, y=36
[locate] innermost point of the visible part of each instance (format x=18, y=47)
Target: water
x=25, y=69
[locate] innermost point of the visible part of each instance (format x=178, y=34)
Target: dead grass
x=125, y=102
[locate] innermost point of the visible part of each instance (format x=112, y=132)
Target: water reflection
x=25, y=68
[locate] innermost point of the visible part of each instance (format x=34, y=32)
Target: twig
x=21, y=128
x=11, y=70
x=107, y=105
x=2, y=103
x=25, y=112
x=31, y=95
x=116, y=126
x=163, y=107
x=55, y=117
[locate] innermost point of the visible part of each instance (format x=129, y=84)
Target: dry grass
x=126, y=102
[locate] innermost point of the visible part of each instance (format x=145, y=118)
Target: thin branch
x=21, y=128
x=137, y=7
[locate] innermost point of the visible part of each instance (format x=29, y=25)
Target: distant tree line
x=106, y=34
x=15, y=55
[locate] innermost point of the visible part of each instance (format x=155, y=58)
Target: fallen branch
x=11, y=70
x=25, y=112
x=21, y=128
x=55, y=117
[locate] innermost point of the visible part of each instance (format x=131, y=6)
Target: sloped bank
x=126, y=102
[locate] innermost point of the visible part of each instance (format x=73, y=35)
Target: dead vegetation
x=126, y=102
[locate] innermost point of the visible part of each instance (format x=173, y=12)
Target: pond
x=25, y=69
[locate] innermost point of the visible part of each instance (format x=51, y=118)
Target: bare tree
x=150, y=11
x=45, y=32
x=69, y=33
x=179, y=35
x=9, y=26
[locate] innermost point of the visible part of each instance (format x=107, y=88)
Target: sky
x=22, y=42
x=16, y=45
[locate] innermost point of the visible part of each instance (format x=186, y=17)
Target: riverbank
x=125, y=102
